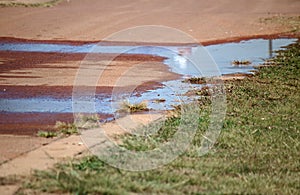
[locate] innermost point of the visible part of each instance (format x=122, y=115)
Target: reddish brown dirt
x=97, y=19
x=30, y=123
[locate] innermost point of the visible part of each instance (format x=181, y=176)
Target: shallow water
x=255, y=50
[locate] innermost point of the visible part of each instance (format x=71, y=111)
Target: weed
x=126, y=106
x=87, y=121
x=241, y=62
x=195, y=80
x=50, y=3
x=204, y=91
x=66, y=128
x=47, y=134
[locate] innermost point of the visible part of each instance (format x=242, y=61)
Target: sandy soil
x=97, y=19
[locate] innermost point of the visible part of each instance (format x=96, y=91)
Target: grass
x=47, y=134
x=241, y=62
x=204, y=91
x=49, y=3
x=84, y=121
x=128, y=107
x=195, y=80
x=256, y=153
x=66, y=128
x=62, y=129
x=87, y=121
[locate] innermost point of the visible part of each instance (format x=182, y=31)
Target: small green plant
x=66, y=128
x=11, y=3
x=62, y=128
x=126, y=106
x=241, y=62
x=195, y=80
x=47, y=134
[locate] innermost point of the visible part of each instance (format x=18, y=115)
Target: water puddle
x=254, y=51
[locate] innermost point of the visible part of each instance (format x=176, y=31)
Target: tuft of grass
x=128, y=107
x=256, y=153
x=204, y=91
x=47, y=134
x=241, y=62
x=66, y=128
x=87, y=121
x=49, y=3
x=195, y=80
x=62, y=129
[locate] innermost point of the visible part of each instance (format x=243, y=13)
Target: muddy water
x=255, y=51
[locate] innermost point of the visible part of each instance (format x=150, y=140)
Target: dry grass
x=241, y=62
x=128, y=107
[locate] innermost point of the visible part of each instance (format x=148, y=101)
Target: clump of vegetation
x=61, y=129
x=47, y=134
x=86, y=121
x=128, y=107
x=195, y=80
x=204, y=91
x=241, y=62
x=66, y=128
x=11, y=3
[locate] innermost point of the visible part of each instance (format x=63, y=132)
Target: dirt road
x=97, y=19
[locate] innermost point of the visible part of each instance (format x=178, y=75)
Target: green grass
x=66, y=128
x=256, y=153
x=47, y=134
x=61, y=129
x=49, y=3
x=84, y=121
